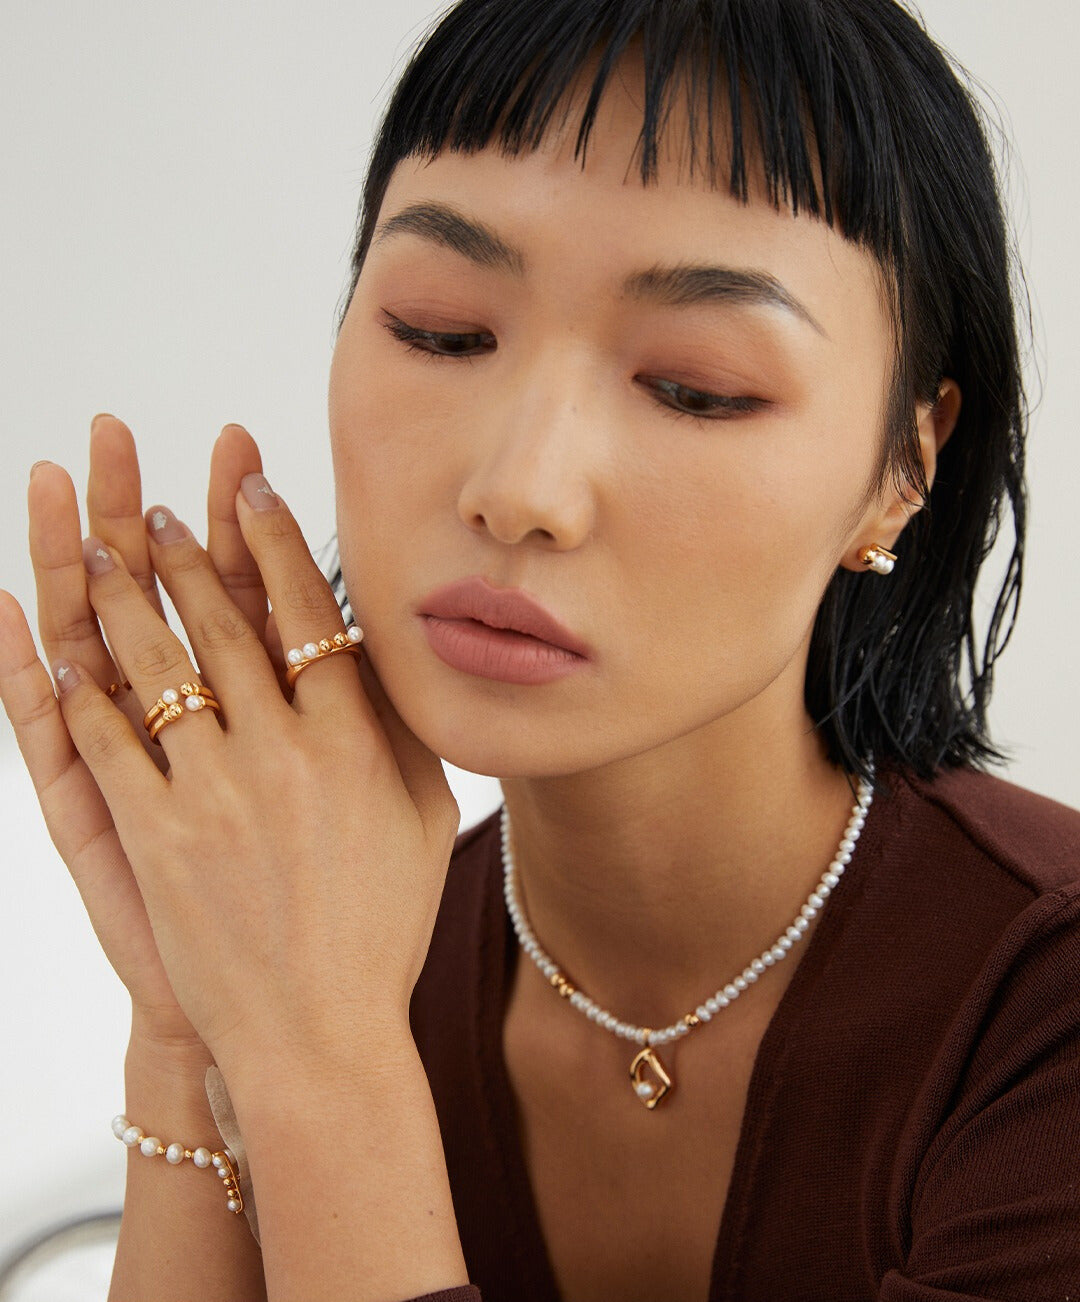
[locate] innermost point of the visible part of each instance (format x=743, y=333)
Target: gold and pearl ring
x=300, y=657
x=168, y=708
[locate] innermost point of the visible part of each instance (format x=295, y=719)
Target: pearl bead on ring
x=300, y=657
x=167, y=709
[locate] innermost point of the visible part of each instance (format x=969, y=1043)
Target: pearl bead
x=194, y=702
x=149, y=1146
x=174, y=1154
x=295, y=656
x=201, y=1157
x=233, y=1205
x=775, y=954
x=132, y=1136
x=170, y=695
x=119, y=1125
x=311, y=651
x=355, y=633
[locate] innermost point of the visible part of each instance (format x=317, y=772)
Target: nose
x=537, y=461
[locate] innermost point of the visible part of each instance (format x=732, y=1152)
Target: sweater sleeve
x=995, y=1211
x=460, y=1293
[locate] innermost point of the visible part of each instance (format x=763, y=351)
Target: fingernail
x=258, y=492
x=36, y=464
x=66, y=676
x=102, y=415
x=96, y=556
x=165, y=527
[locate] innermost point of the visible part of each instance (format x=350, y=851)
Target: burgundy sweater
x=912, y=1128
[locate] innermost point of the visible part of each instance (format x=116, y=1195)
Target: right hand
x=76, y=814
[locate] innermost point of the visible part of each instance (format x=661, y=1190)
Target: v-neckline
x=495, y=976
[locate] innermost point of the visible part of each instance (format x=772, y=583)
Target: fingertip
x=66, y=676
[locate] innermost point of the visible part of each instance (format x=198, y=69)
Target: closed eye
x=677, y=399
x=438, y=343
x=684, y=401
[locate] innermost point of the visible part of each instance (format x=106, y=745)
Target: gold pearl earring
x=879, y=559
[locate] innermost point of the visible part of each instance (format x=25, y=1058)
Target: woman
x=674, y=405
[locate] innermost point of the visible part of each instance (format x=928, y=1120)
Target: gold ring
x=168, y=708
x=171, y=697
x=113, y=688
x=300, y=657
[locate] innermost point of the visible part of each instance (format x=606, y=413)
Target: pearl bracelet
x=175, y=1153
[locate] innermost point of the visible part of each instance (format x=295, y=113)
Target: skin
x=670, y=803
x=669, y=800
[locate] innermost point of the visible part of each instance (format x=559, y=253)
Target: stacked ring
x=167, y=709
x=300, y=657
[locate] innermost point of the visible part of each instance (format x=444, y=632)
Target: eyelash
x=726, y=407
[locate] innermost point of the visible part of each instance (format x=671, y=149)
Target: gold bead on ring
x=300, y=657
x=168, y=708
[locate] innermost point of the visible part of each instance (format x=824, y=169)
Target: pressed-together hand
x=275, y=885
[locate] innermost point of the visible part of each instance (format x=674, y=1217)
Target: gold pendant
x=647, y=1091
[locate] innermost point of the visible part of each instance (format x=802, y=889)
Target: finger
x=235, y=455
x=229, y=652
x=150, y=654
x=276, y=652
x=421, y=769
x=305, y=609
x=114, y=502
x=107, y=743
x=76, y=815
x=67, y=622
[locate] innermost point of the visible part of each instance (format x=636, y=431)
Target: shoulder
x=1029, y=837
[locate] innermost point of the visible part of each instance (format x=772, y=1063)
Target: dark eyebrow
x=678, y=286
x=683, y=286
x=444, y=225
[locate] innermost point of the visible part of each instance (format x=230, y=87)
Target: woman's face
x=673, y=465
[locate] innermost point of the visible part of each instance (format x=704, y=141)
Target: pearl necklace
x=648, y=1091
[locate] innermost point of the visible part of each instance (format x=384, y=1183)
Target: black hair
x=857, y=117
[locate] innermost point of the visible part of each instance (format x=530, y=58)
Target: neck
x=656, y=880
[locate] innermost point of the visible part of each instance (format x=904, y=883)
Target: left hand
x=293, y=861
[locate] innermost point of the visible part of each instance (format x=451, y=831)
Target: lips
x=509, y=608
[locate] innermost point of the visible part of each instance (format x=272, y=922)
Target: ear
x=887, y=515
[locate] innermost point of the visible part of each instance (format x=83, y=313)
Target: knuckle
x=222, y=628
x=71, y=630
x=307, y=594
x=276, y=526
x=155, y=656
x=186, y=558
x=241, y=580
x=104, y=740
x=25, y=716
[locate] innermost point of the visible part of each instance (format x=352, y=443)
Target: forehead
x=592, y=220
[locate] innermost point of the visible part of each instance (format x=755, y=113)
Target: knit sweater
x=912, y=1126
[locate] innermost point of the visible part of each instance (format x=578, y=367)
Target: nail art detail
x=66, y=676
x=167, y=528
x=258, y=492
x=96, y=556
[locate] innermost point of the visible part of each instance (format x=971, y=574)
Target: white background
x=179, y=193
